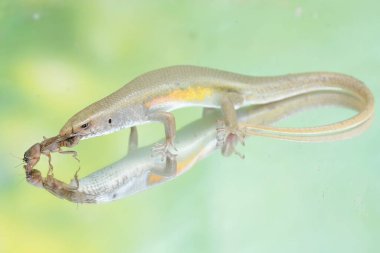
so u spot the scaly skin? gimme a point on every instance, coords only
(133, 174)
(151, 96)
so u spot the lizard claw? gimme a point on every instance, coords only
(163, 150)
(228, 138)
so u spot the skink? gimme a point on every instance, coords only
(133, 173)
(151, 97)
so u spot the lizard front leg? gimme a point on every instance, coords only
(168, 120)
(169, 170)
(166, 149)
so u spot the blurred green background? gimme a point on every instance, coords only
(58, 56)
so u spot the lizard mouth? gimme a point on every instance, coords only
(72, 140)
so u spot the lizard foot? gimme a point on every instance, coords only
(227, 138)
(164, 150)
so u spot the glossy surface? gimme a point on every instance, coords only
(133, 173)
(175, 87)
(57, 57)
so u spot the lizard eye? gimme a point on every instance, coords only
(84, 126)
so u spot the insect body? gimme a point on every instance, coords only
(59, 188)
(47, 146)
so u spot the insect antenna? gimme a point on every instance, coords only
(19, 165)
(17, 157)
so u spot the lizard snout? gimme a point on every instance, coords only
(66, 131)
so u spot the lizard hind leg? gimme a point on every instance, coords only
(228, 130)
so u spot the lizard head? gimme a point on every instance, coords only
(79, 125)
(83, 126)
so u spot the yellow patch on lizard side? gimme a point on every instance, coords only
(154, 179)
(181, 168)
(189, 94)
